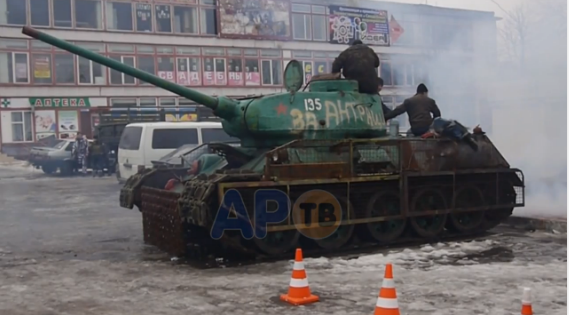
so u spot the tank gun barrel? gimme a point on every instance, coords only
(206, 100)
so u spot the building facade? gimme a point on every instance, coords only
(225, 47)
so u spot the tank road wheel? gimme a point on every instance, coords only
(344, 232)
(276, 243)
(381, 204)
(467, 222)
(427, 200)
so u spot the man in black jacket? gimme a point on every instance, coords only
(359, 62)
(419, 108)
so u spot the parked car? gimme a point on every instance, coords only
(142, 143)
(56, 157)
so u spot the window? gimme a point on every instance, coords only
(166, 68)
(167, 102)
(21, 126)
(88, 14)
(119, 77)
(252, 73)
(208, 19)
(309, 22)
(385, 73)
(409, 75)
(235, 72)
(220, 78)
(42, 68)
(148, 102)
(18, 44)
(90, 72)
(319, 27)
(146, 63)
(419, 73)
(123, 102)
(130, 138)
(301, 26)
(14, 12)
(398, 71)
(64, 72)
(143, 17)
(272, 72)
(320, 67)
(39, 12)
(61, 13)
(173, 138)
(185, 20)
(188, 71)
(119, 16)
(216, 135)
(16, 65)
(163, 18)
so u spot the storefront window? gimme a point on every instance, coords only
(42, 68)
(21, 126)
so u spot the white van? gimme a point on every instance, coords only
(142, 143)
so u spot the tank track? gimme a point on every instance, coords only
(188, 239)
(310, 251)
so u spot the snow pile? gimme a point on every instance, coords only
(424, 257)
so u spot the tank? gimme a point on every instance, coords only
(347, 182)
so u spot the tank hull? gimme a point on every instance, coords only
(389, 190)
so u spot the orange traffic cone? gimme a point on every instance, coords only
(298, 290)
(387, 300)
(526, 302)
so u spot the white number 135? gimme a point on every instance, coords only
(312, 104)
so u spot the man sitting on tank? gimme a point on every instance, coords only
(358, 62)
(419, 109)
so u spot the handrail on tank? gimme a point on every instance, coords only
(206, 100)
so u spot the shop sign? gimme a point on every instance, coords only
(59, 102)
(349, 23)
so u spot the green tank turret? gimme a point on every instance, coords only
(326, 151)
(331, 109)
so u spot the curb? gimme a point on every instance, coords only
(558, 225)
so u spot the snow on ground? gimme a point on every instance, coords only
(67, 248)
(453, 278)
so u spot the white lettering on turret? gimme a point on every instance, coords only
(336, 114)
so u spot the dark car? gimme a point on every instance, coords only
(52, 158)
